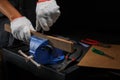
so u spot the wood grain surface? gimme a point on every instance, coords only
(111, 61)
(60, 43)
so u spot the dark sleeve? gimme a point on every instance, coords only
(28, 10)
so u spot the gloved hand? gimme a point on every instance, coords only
(47, 13)
(20, 28)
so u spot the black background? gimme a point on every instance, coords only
(98, 19)
(80, 16)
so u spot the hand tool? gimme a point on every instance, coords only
(101, 53)
(71, 58)
(43, 52)
(94, 42)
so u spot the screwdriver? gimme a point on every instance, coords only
(101, 53)
(98, 51)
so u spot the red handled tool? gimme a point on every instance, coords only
(95, 42)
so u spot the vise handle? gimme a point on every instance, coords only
(29, 58)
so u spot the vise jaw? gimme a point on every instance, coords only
(43, 52)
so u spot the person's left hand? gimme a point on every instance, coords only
(47, 13)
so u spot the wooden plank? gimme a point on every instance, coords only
(54, 41)
(92, 59)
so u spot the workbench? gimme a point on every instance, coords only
(15, 67)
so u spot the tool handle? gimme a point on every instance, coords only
(98, 51)
(29, 58)
(89, 42)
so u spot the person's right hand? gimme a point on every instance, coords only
(21, 27)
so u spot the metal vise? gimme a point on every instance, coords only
(43, 52)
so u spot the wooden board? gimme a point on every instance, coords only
(54, 41)
(92, 59)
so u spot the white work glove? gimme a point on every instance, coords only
(47, 13)
(20, 28)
